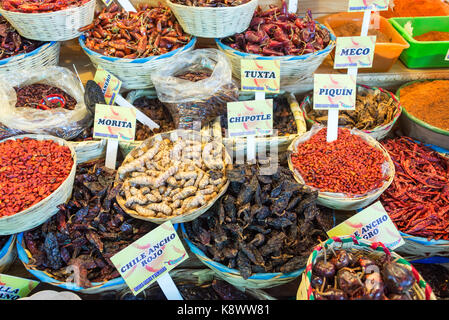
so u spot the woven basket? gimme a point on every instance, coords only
(188, 216)
(374, 251)
(209, 22)
(294, 69)
(256, 281)
(8, 254)
(280, 142)
(52, 26)
(89, 150)
(46, 208)
(339, 202)
(377, 133)
(97, 287)
(46, 55)
(199, 277)
(134, 73)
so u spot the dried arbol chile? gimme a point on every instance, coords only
(30, 170)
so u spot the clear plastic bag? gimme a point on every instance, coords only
(201, 101)
(60, 122)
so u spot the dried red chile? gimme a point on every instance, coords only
(12, 43)
(87, 231)
(31, 96)
(264, 223)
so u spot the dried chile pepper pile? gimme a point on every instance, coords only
(215, 290)
(157, 112)
(195, 76)
(283, 119)
(148, 32)
(347, 165)
(87, 231)
(352, 275)
(12, 43)
(30, 170)
(32, 6)
(211, 3)
(418, 199)
(33, 95)
(263, 224)
(275, 32)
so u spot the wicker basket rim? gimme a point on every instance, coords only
(325, 50)
(24, 256)
(191, 212)
(347, 198)
(236, 272)
(182, 6)
(90, 52)
(43, 137)
(46, 14)
(42, 47)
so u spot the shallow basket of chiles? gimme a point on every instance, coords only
(350, 268)
(36, 175)
(19, 53)
(48, 20)
(288, 120)
(72, 250)
(418, 199)
(174, 176)
(135, 44)
(200, 284)
(261, 232)
(376, 112)
(8, 252)
(350, 173)
(299, 44)
(213, 19)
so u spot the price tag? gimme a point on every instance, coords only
(354, 52)
(250, 118)
(334, 91)
(150, 258)
(13, 288)
(260, 75)
(114, 122)
(373, 224)
(109, 84)
(362, 5)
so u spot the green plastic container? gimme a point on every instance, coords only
(423, 54)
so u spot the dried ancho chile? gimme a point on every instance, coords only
(87, 231)
(347, 274)
(263, 224)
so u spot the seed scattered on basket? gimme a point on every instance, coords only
(172, 178)
(30, 6)
(30, 170)
(263, 224)
(275, 32)
(12, 43)
(347, 165)
(147, 32)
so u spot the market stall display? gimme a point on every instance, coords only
(84, 234)
(376, 112)
(347, 268)
(299, 44)
(8, 252)
(389, 42)
(213, 19)
(423, 53)
(260, 233)
(172, 176)
(37, 175)
(350, 173)
(133, 45)
(48, 20)
(425, 115)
